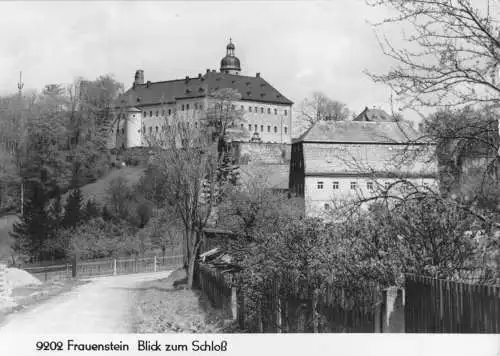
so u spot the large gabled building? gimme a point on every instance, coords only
(334, 162)
(267, 114)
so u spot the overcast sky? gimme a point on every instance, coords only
(297, 46)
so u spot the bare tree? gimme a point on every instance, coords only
(188, 161)
(451, 52)
(320, 107)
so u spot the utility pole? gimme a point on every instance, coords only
(20, 86)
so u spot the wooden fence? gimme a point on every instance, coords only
(105, 267)
(219, 289)
(439, 306)
(292, 310)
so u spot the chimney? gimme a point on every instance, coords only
(139, 77)
(148, 84)
(208, 70)
(258, 75)
(199, 75)
(187, 79)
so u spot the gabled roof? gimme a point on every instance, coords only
(374, 115)
(359, 132)
(250, 88)
(327, 159)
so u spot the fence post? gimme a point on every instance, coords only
(115, 272)
(73, 266)
(3, 280)
(393, 312)
(234, 304)
(154, 268)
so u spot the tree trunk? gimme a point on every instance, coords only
(193, 254)
(191, 272)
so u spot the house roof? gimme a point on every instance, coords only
(334, 159)
(359, 132)
(250, 88)
(374, 115)
(275, 176)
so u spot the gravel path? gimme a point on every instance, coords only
(101, 306)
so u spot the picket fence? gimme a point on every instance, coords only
(107, 267)
(440, 306)
(292, 310)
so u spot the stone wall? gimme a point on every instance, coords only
(264, 153)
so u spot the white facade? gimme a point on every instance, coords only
(272, 122)
(323, 194)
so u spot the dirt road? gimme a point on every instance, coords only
(102, 306)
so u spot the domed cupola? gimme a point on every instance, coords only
(230, 63)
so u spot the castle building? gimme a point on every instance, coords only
(148, 106)
(341, 161)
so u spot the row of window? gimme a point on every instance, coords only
(262, 110)
(285, 130)
(354, 185)
(256, 128)
(200, 107)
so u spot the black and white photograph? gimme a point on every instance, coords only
(248, 167)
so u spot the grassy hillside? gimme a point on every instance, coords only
(97, 190)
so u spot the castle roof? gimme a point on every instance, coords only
(254, 89)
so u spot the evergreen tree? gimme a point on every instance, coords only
(106, 215)
(56, 214)
(228, 171)
(35, 226)
(91, 210)
(73, 212)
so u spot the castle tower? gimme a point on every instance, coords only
(230, 64)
